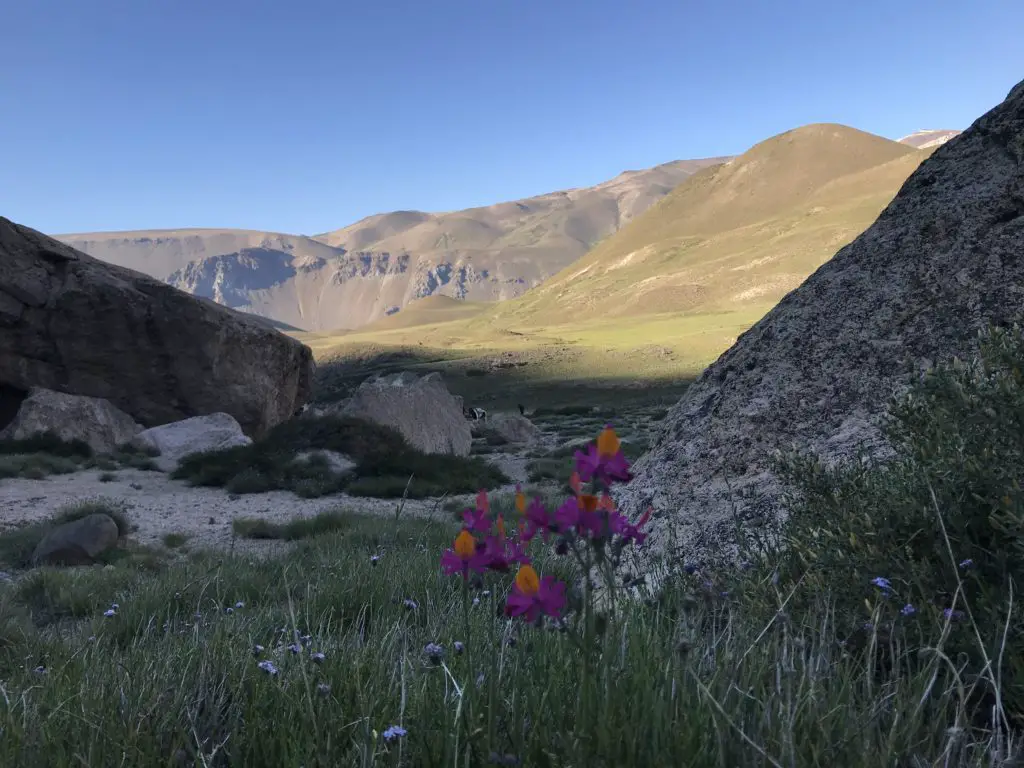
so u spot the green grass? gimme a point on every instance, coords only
(297, 528)
(45, 454)
(175, 540)
(697, 680)
(384, 463)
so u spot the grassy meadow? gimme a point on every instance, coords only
(885, 633)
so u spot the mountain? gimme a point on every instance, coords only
(929, 138)
(942, 261)
(740, 234)
(371, 269)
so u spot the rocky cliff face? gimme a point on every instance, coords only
(73, 324)
(942, 261)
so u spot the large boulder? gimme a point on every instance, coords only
(420, 408)
(79, 542)
(943, 261)
(74, 324)
(512, 427)
(72, 417)
(173, 442)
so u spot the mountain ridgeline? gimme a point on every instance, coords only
(691, 235)
(352, 276)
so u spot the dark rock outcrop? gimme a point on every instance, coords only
(943, 261)
(74, 324)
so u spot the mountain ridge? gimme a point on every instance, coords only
(350, 277)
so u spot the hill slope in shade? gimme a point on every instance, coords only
(353, 276)
(732, 237)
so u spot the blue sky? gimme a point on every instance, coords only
(305, 115)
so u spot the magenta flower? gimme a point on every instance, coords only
(476, 520)
(532, 596)
(500, 552)
(539, 519)
(619, 523)
(464, 557)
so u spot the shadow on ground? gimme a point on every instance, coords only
(495, 379)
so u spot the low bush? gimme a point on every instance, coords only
(384, 463)
(939, 529)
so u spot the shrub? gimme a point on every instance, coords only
(940, 527)
(384, 463)
(35, 466)
(48, 443)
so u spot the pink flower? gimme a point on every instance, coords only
(608, 469)
(604, 460)
(476, 520)
(532, 596)
(539, 519)
(464, 557)
(500, 552)
(619, 523)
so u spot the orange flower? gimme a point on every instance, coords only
(575, 483)
(527, 580)
(465, 545)
(608, 443)
(588, 502)
(500, 524)
(520, 501)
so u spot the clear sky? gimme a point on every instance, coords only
(305, 115)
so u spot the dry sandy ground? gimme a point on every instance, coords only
(159, 505)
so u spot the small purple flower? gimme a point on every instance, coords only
(434, 651)
(109, 612)
(968, 563)
(295, 648)
(323, 689)
(952, 615)
(229, 610)
(411, 604)
(40, 670)
(908, 610)
(881, 582)
(868, 626)
(115, 606)
(239, 605)
(459, 646)
(256, 649)
(318, 657)
(268, 667)
(374, 559)
(394, 732)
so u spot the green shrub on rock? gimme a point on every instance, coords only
(939, 529)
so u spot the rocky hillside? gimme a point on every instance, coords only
(375, 267)
(942, 261)
(734, 237)
(928, 138)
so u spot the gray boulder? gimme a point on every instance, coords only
(513, 427)
(420, 408)
(79, 542)
(215, 432)
(72, 417)
(74, 324)
(943, 261)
